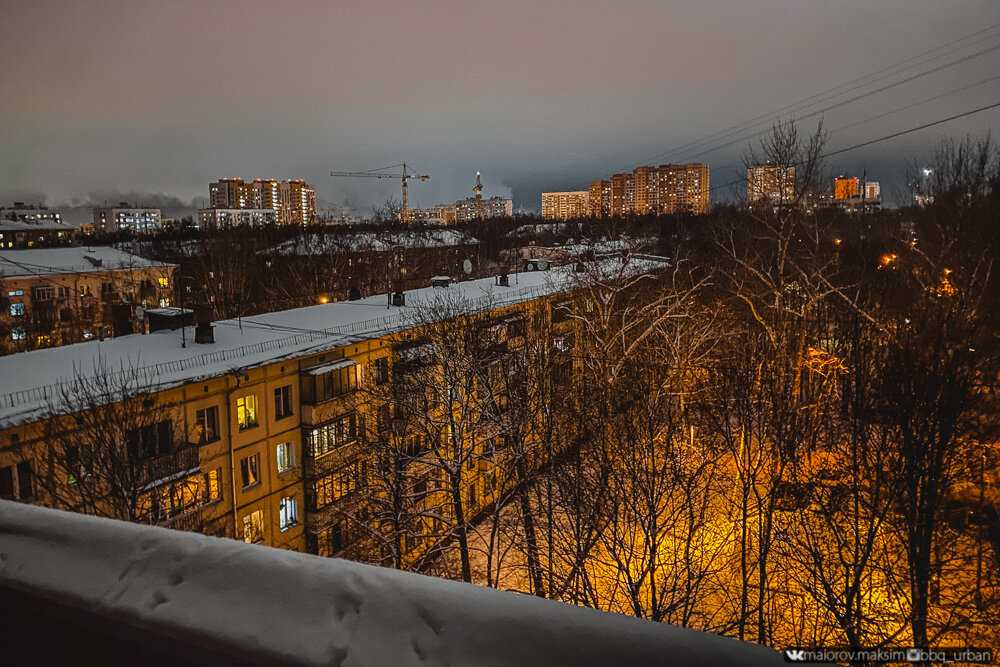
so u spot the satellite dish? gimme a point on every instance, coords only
(467, 266)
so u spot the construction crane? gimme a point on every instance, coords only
(404, 174)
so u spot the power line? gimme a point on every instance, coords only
(855, 83)
(912, 129)
(731, 167)
(916, 104)
(851, 100)
(887, 137)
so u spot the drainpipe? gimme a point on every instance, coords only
(229, 439)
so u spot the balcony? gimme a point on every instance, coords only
(179, 461)
(84, 590)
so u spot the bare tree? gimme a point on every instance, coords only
(113, 450)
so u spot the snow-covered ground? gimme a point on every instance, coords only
(282, 607)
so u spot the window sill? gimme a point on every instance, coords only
(287, 471)
(250, 486)
(287, 528)
(248, 427)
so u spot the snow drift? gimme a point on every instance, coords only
(263, 605)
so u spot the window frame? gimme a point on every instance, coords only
(201, 418)
(246, 470)
(246, 410)
(287, 519)
(289, 457)
(283, 402)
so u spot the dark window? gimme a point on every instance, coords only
(207, 421)
(150, 441)
(560, 311)
(337, 382)
(283, 402)
(7, 482)
(25, 487)
(381, 370)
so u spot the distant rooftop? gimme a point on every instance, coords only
(54, 261)
(34, 226)
(323, 244)
(28, 380)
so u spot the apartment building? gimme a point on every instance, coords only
(622, 194)
(222, 218)
(770, 183)
(566, 205)
(473, 208)
(683, 188)
(846, 187)
(600, 199)
(293, 201)
(127, 218)
(41, 234)
(56, 296)
(259, 431)
(645, 182)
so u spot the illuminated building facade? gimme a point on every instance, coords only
(846, 187)
(771, 183)
(566, 205)
(293, 201)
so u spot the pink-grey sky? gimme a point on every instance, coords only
(101, 97)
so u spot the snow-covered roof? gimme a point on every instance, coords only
(28, 379)
(249, 604)
(44, 225)
(51, 261)
(324, 244)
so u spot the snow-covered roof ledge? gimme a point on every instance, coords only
(95, 589)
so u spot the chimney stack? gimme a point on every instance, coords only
(204, 332)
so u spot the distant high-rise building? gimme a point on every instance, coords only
(645, 181)
(566, 205)
(770, 182)
(872, 190)
(622, 194)
(845, 187)
(683, 188)
(293, 201)
(600, 199)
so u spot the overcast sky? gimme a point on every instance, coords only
(137, 96)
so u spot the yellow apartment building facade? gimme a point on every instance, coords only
(56, 296)
(263, 441)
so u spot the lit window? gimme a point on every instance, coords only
(246, 411)
(287, 513)
(17, 334)
(286, 459)
(341, 431)
(163, 282)
(253, 527)
(250, 470)
(213, 485)
(17, 309)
